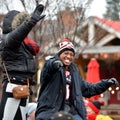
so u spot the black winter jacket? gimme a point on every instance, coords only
(17, 58)
(53, 90)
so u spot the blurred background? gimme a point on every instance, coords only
(94, 28)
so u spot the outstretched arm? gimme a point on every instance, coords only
(20, 33)
(90, 89)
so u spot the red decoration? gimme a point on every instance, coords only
(93, 74)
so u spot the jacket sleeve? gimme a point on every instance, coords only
(89, 89)
(15, 37)
(47, 73)
(48, 69)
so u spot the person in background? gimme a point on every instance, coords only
(93, 110)
(18, 52)
(62, 88)
(31, 110)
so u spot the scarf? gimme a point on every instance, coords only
(31, 46)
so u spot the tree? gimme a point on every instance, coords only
(112, 10)
(62, 17)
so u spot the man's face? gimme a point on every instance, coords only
(67, 57)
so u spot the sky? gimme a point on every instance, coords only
(97, 7)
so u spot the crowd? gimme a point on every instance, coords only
(61, 86)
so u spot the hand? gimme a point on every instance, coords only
(36, 16)
(114, 82)
(57, 64)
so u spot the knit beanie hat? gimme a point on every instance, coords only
(95, 105)
(61, 115)
(64, 45)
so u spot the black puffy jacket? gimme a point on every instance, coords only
(17, 58)
(53, 90)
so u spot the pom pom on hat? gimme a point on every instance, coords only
(64, 45)
(61, 115)
(95, 105)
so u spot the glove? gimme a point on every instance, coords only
(57, 64)
(114, 82)
(36, 16)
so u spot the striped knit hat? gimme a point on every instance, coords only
(64, 45)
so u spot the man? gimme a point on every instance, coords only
(62, 88)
